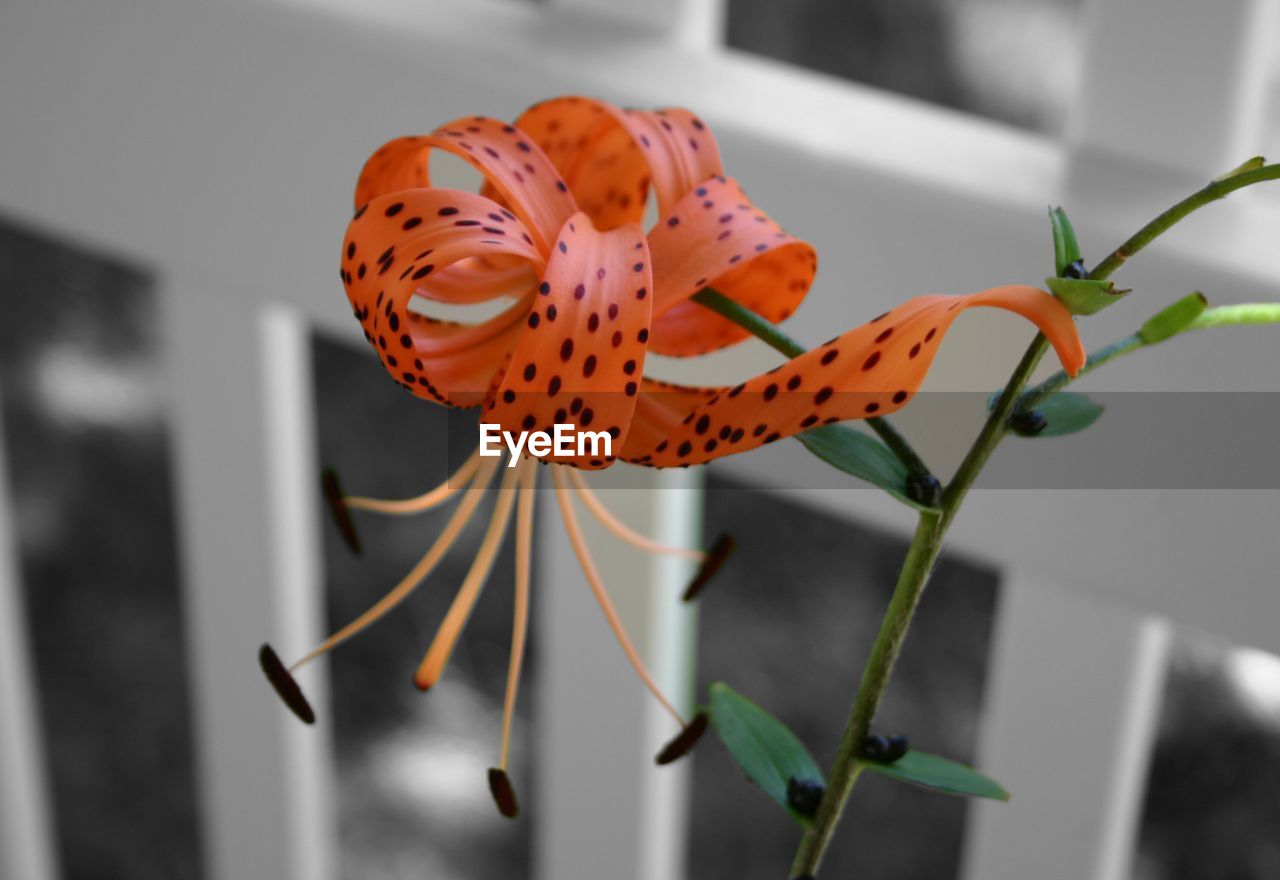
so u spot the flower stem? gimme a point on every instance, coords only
(1216, 189)
(921, 555)
(1219, 316)
(769, 334)
(1060, 379)
(933, 525)
(916, 568)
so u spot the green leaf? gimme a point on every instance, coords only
(862, 456)
(1172, 320)
(940, 774)
(1064, 412)
(765, 748)
(1085, 296)
(1065, 249)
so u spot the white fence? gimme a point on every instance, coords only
(216, 143)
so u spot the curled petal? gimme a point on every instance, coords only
(581, 354)
(521, 175)
(610, 157)
(715, 236)
(395, 247)
(872, 370)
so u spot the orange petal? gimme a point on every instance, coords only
(715, 236)
(395, 247)
(517, 170)
(581, 356)
(609, 156)
(874, 369)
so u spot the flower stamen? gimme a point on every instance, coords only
(571, 527)
(520, 616)
(456, 618)
(712, 562)
(402, 590)
(621, 529)
(422, 503)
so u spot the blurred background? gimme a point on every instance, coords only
(175, 365)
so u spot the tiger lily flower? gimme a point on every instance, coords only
(556, 232)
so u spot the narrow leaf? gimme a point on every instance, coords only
(1172, 320)
(862, 456)
(1084, 296)
(1248, 165)
(1063, 412)
(765, 748)
(940, 774)
(1065, 249)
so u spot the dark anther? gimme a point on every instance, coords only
(281, 679)
(504, 795)
(338, 508)
(884, 749)
(804, 795)
(1028, 422)
(719, 553)
(684, 741)
(1075, 270)
(924, 489)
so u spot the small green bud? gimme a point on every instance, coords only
(1173, 319)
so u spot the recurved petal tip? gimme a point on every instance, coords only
(338, 509)
(504, 795)
(685, 740)
(719, 553)
(285, 685)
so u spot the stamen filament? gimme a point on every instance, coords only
(520, 617)
(621, 529)
(437, 496)
(429, 561)
(571, 527)
(447, 635)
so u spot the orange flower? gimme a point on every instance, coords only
(557, 231)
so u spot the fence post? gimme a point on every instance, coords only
(1072, 704)
(242, 410)
(26, 841)
(603, 808)
(1176, 83)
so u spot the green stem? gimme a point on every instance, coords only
(769, 334)
(1060, 379)
(1219, 316)
(1217, 189)
(1244, 313)
(766, 331)
(933, 525)
(916, 568)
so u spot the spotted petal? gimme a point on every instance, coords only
(609, 157)
(396, 245)
(715, 236)
(581, 355)
(874, 369)
(521, 174)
